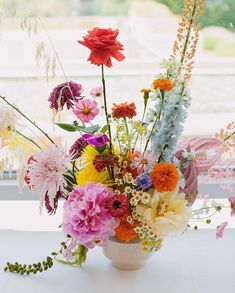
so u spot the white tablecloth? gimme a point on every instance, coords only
(191, 263)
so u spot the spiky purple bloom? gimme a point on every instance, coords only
(77, 148)
(143, 182)
(66, 93)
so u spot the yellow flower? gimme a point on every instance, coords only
(91, 175)
(167, 213)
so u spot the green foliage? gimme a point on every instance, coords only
(74, 127)
(220, 46)
(218, 12)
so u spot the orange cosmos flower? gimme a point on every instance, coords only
(124, 110)
(163, 84)
(125, 231)
(165, 177)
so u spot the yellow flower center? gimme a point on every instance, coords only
(86, 110)
(144, 162)
(233, 206)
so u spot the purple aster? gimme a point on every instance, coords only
(66, 93)
(143, 182)
(96, 139)
(77, 148)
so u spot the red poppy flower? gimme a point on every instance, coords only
(103, 45)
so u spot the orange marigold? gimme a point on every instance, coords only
(163, 84)
(125, 231)
(124, 110)
(165, 177)
(145, 91)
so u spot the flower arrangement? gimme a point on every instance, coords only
(130, 178)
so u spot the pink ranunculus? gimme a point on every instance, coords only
(86, 110)
(96, 92)
(232, 202)
(86, 216)
(220, 230)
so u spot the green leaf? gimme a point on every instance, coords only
(104, 128)
(67, 126)
(90, 129)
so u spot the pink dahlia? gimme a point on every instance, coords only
(66, 93)
(86, 110)
(144, 162)
(220, 230)
(96, 92)
(86, 217)
(46, 172)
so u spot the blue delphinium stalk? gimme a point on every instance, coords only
(168, 130)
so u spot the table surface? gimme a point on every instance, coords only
(190, 263)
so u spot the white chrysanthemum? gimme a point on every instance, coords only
(167, 213)
(46, 171)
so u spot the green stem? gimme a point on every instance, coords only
(106, 108)
(187, 37)
(128, 134)
(23, 115)
(145, 108)
(157, 119)
(229, 136)
(27, 138)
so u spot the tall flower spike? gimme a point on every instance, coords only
(188, 33)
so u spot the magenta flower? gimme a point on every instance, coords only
(86, 110)
(86, 217)
(220, 230)
(144, 162)
(77, 148)
(46, 172)
(232, 202)
(67, 93)
(96, 92)
(96, 139)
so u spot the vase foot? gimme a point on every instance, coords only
(128, 267)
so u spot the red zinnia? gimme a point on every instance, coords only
(103, 45)
(104, 161)
(118, 206)
(124, 110)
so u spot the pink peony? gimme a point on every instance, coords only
(220, 230)
(144, 162)
(86, 217)
(96, 92)
(86, 110)
(232, 202)
(46, 171)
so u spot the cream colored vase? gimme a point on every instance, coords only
(126, 256)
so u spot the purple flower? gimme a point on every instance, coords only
(96, 139)
(67, 93)
(143, 182)
(86, 217)
(77, 148)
